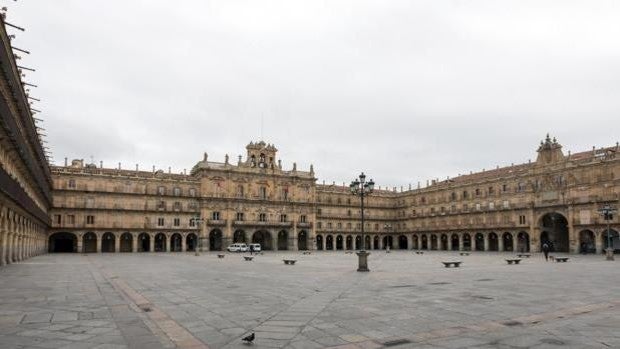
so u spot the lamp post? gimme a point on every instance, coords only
(197, 221)
(608, 215)
(388, 229)
(362, 188)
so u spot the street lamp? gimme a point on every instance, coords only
(608, 215)
(362, 188)
(388, 229)
(197, 221)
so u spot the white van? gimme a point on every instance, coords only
(239, 247)
(254, 247)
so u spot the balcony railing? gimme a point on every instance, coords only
(216, 222)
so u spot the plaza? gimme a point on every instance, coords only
(178, 300)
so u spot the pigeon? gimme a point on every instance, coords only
(248, 339)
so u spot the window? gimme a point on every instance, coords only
(177, 206)
(376, 226)
(339, 201)
(284, 194)
(349, 213)
(504, 188)
(465, 194)
(477, 192)
(282, 218)
(262, 217)
(192, 222)
(240, 216)
(57, 218)
(423, 200)
(161, 205)
(348, 225)
(319, 225)
(192, 192)
(413, 212)
(453, 208)
(177, 222)
(491, 205)
(329, 225)
(70, 219)
(349, 201)
(302, 218)
(432, 210)
(491, 191)
(72, 183)
(442, 209)
(176, 191)
(478, 207)
(339, 225)
(160, 222)
(453, 196)
(465, 207)
(192, 205)
(318, 211)
(215, 215)
(262, 193)
(522, 220)
(506, 204)
(239, 191)
(161, 190)
(90, 219)
(520, 186)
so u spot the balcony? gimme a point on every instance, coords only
(262, 224)
(305, 225)
(216, 222)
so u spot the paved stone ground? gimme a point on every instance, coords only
(406, 301)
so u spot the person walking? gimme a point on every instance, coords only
(545, 249)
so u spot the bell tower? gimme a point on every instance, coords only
(549, 151)
(261, 155)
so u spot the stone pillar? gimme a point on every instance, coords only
(117, 244)
(183, 244)
(380, 241)
(500, 243)
(151, 243)
(461, 248)
(292, 238)
(134, 242)
(167, 243)
(13, 247)
(80, 241)
(99, 242)
(324, 242)
(515, 242)
(598, 241)
(3, 238)
(486, 242)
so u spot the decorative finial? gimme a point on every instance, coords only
(294, 166)
(311, 169)
(204, 157)
(226, 159)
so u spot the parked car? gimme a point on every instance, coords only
(254, 248)
(238, 248)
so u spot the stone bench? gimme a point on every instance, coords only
(464, 253)
(289, 261)
(455, 264)
(220, 256)
(515, 261)
(561, 259)
(524, 255)
(248, 258)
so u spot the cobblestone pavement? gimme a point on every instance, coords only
(407, 301)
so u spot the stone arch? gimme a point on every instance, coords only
(368, 242)
(508, 242)
(329, 242)
(443, 242)
(375, 241)
(239, 236)
(89, 242)
(493, 242)
(176, 243)
(263, 237)
(348, 242)
(191, 242)
(424, 243)
(403, 243)
(479, 242)
(434, 242)
(587, 241)
(283, 240)
(302, 240)
(454, 242)
(160, 242)
(108, 242)
(215, 240)
(554, 231)
(523, 242)
(388, 242)
(339, 242)
(61, 242)
(319, 242)
(358, 242)
(144, 242)
(415, 242)
(126, 242)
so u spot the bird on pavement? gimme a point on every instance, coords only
(248, 339)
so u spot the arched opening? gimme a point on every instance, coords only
(416, 243)
(319, 242)
(375, 241)
(523, 242)
(424, 242)
(467, 242)
(454, 242)
(126, 242)
(62, 243)
(89, 243)
(160, 242)
(144, 242)
(367, 238)
(493, 242)
(444, 242)
(107, 242)
(554, 232)
(433, 242)
(262, 237)
(239, 236)
(403, 244)
(283, 240)
(191, 241)
(176, 243)
(339, 242)
(329, 242)
(349, 242)
(215, 240)
(587, 242)
(302, 240)
(610, 238)
(358, 242)
(508, 242)
(479, 241)
(387, 242)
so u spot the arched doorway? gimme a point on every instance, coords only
(62, 243)
(329, 243)
(375, 241)
(615, 240)
(239, 236)
(302, 240)
(144, 242)
(358, 242)
(349, 242)
(107, 242)
(191, 242)
(339, 242)
(433, 242)
(554, 232)
(454, 239)
(403, 244)
(160, 242)
(415, 242)
(479, 241)
(467, 242)
(424, 242)
(176, 243)
(587, 242)
(508, 242)
(126, 242)
(89, 242)
(263, 237)
(493, 242)
(215, 240)
(319, 242)
(283, 240)
(444, 242)
(387, 242)
(523, 242)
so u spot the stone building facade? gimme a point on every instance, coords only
(25, 177)
(554, 199)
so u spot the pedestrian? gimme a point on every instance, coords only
(251, 249)
(545, 249)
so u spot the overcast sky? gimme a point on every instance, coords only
(403, 90)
